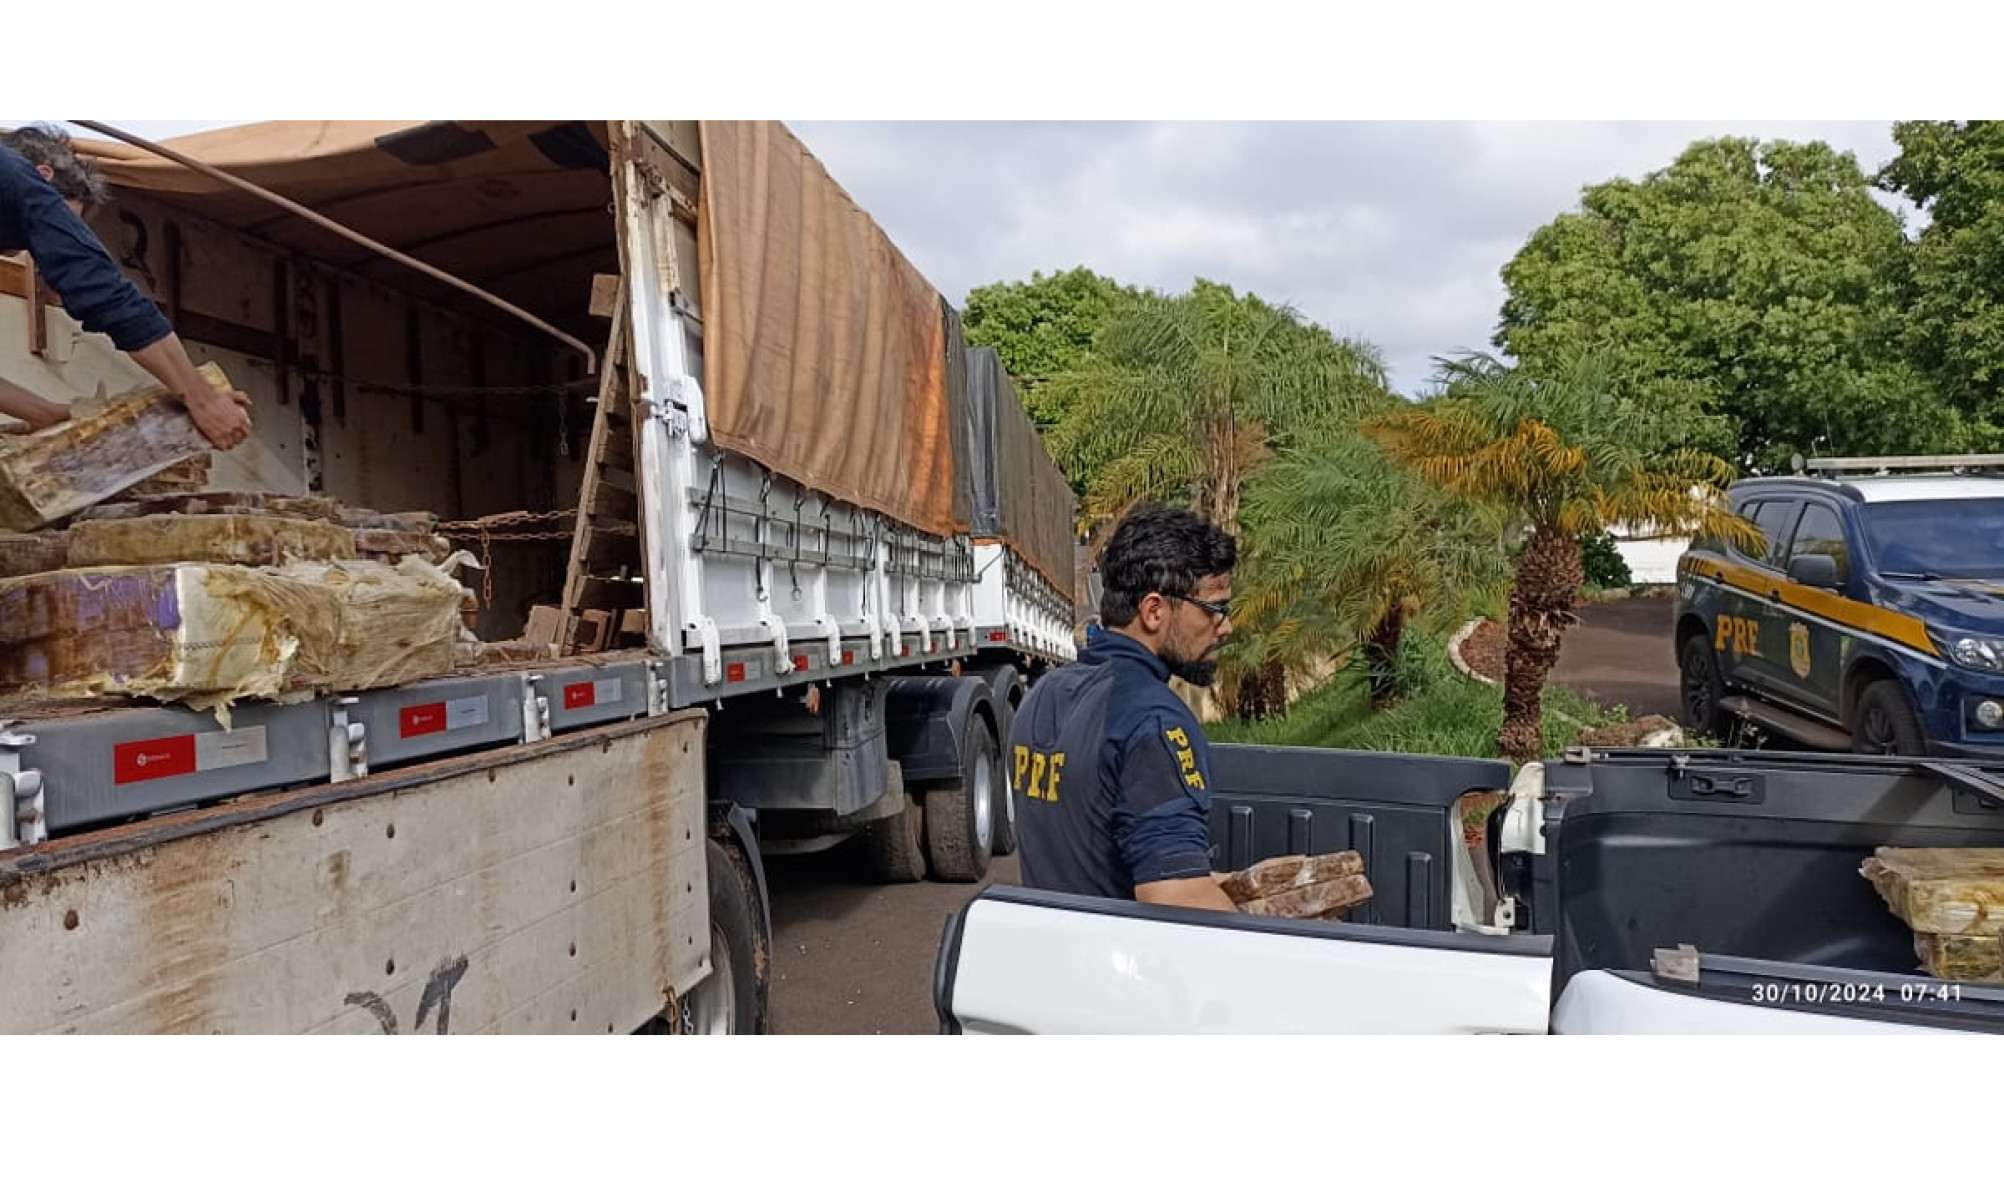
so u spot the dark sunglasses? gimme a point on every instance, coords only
(1220, 611)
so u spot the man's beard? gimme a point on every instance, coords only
(1200, 672)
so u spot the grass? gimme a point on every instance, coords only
(1441, 712)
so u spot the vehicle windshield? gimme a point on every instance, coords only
(1957, 539)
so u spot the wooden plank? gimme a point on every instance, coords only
(612, 556)
(347, 916)
(593, 631)
(604, 295)
(38, 312)
(599, 592)
(591, 502)
(611, 505)
(545, 625)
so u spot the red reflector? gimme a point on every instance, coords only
(415, 720)
(151, 759)
(848, 657)
(998, 636)
(734, 673)
(800, 663)
(580, 696)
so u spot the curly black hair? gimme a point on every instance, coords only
(1157, 549)
(47, 146)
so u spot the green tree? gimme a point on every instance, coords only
(1566, 453)
(1955, 169)
(1759, 280)
(1184, 396)
(1042, 327)
(1344, 549)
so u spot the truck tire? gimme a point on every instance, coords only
(732, 1000)
(1885, 723)
(960, 822)
(1005, 813)
(895, 846)
(1701, 688)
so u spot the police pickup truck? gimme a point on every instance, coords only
(1872, 618)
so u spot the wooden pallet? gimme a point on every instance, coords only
(600, 589)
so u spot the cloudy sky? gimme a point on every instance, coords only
(1392, 232)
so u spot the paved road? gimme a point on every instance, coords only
(1620, 654)
(851, 958)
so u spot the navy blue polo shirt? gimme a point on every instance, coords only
(34, 218)
(1112, 775)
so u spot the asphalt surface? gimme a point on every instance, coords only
(1620, 654)
(855, 958)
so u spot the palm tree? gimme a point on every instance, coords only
(1350, 548)
(1184, 396)
(1565, 455)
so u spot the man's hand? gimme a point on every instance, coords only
(222, 417)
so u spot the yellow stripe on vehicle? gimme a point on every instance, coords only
(1904, 629)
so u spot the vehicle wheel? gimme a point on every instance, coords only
(1005, 814)
(895, 846)
(732, 999)
(960, 822)
(1701, 688)
(1885, 723)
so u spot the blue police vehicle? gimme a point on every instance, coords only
(1871, 620)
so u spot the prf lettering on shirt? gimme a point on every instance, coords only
(1037, 765)
(1186, 757)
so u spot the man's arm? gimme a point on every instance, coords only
(1196, 892)
(1162, 825)
(18, 402)
(223, 418)
(99, 296)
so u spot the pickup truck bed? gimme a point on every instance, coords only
(1751, 859)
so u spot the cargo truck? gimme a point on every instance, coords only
(746, 429)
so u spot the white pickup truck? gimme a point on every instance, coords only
(1705, 892)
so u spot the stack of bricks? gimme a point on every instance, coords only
(1297, 886)
(119, 576)
(1953, 900)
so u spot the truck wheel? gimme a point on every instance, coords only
(895, 846)
(1005, 814)
(732, 999)
(1700, 687)
(960, 822)
(1885, 723)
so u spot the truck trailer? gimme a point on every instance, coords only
(738, 463)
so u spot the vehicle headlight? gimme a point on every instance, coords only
(1973, 651)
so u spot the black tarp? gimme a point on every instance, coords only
(1017, 492)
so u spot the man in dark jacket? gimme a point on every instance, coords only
(45, 189)
(1111, 770)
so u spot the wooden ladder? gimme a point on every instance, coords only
(605, 605)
